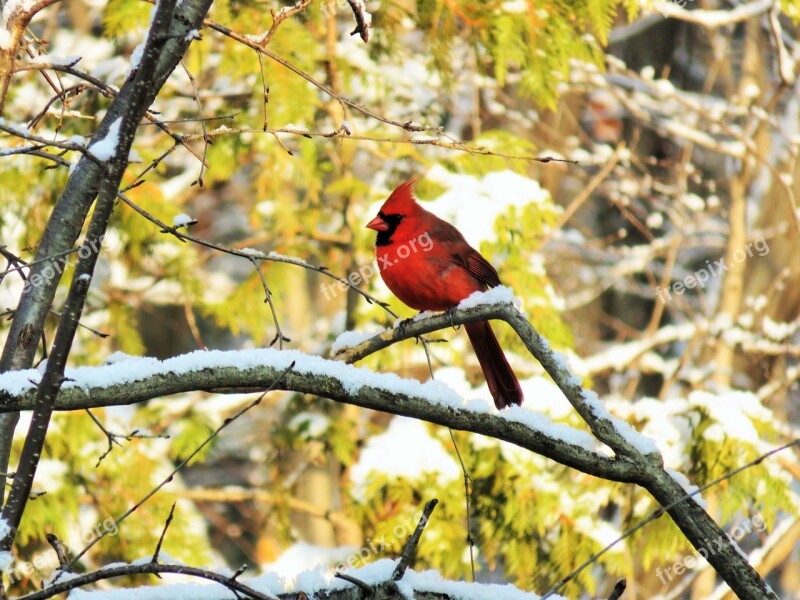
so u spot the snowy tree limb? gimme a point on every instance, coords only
(77, 581)
(418, 585)
(637, 459)
(384, 579)
(235, 378)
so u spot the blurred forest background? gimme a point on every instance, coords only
(680, 128)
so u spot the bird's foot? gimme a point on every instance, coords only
(450, 313)
(403, 325)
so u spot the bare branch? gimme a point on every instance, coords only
(411, 546)
(408, 126)
(357, 582)
(157, 551)
(16, 21)
(279, 337)
(249, 255)
(343, 134)
(363, 19)
(280, 16)
(58, 548)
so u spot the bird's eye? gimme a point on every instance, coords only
(393, 219)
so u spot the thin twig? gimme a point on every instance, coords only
(280, 16)
(279, 337)
(45, 143)
(467, 477)
(157, 551)
(355, 581)
(185, 237)
(110, 92)
(467, 493)
(206, 139)
(411, 546)
(113, 438)
(58, 547)
(344, 133)
(255, 45)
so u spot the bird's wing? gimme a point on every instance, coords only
(462, 253)
(482, 269)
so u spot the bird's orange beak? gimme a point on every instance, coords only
(378, 224)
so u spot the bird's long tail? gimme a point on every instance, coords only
(502, 382)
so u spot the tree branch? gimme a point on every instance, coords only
(413, 541)
(363, 19)
(255, 369)
(379, 581)
(77, 581)
(15, 22)
(637, 459)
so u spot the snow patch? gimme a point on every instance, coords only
(105, 148)
(496, 295)
(182, 220)
(349, 339)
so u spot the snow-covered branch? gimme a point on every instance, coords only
(637, 458)
(384, 578)
(131, 380)
(377, 578)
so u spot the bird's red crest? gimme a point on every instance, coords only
(401, 200)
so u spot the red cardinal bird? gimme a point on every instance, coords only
(428, 264)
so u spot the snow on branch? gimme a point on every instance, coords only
(129, 380)
(375, 577)
(386, 578)
(635, 458)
